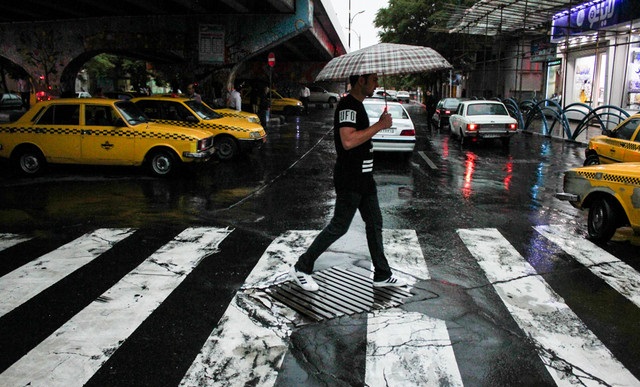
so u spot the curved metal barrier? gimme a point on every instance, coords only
(549, 113)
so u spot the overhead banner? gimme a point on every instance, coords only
(211, 44)
(593, 16)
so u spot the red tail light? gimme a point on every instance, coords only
(447, 112)
(473, 127)
(408, 132)
(513, 126)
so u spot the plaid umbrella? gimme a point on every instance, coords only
(385, 59)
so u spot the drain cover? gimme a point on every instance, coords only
(342, 292)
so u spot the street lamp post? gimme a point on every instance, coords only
(351, 20)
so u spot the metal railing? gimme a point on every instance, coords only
(548, 113)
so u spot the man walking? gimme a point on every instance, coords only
(354, 184)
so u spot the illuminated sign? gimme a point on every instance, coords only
(592, 16)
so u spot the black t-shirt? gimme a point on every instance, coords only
(354, 167)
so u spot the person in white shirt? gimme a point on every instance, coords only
(235, 99)
(304, 97)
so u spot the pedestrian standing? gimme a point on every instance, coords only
(265, 106)
(191, 93)
(25, 92)
(430, 106)
(354, 185)
(235, 99)
(305, 93)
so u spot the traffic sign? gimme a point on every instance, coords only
(272, 59)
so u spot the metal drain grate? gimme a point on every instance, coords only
(342, 292)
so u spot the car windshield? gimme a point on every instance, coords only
(131, 113)
(203, 111)
(396, 111)
(486, 109)
(451, 103)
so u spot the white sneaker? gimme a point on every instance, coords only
(391, 281)
(304, 280)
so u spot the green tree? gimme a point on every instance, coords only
(427, 23)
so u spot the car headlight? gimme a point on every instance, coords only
(255, 135)
(254, 120)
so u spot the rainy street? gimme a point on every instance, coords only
(502, 289)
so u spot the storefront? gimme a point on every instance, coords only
(598, 47)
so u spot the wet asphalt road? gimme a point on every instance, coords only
(287, 185)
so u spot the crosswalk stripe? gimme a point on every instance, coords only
(619, 275)
(73, 353)
(569, 350)
(406, 348)
(8, 240)
(255, 331)
(27, 281)
(409, 349)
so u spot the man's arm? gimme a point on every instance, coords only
(351, 138)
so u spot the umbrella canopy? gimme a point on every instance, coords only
(386, 59)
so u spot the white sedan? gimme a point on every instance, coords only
(401, 137)
(479, 119)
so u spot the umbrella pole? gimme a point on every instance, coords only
(384, 91)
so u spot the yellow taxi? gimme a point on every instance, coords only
(610, 192)
(286, 106)
(99, 131)
(232, 135)
(619, 145)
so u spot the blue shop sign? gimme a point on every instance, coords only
(593, 16)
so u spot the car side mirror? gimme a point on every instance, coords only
(119, 122)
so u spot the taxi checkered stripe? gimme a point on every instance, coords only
(98, 132)
(634, 146)
(201, 126)
(22, 130)
(622, 179)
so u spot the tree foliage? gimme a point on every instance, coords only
(427, 23)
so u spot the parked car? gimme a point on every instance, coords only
(99, 131)
(10, 101)
(609, 192)
(621, 144)
(401, 137)
(403, 96)
(83, 94)
(478, 119)
(232, 135)
(321, 95)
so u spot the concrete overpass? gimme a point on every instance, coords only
(215, 39)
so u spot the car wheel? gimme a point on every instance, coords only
(226, 148)
(461, 137)
(591, 160)
(603, 220)
(162, 163)
(332, 100)
(30, 161)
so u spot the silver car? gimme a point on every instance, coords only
(401, 137)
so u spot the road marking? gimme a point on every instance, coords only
(250, 341)
(408, 348)
(427, 160)
(27, 281)
(619, 275)
(9, 240)
(570, 351)
(73, 353)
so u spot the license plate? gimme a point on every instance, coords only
(491, 136)
(387, 131)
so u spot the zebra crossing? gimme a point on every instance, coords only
(250, 342)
